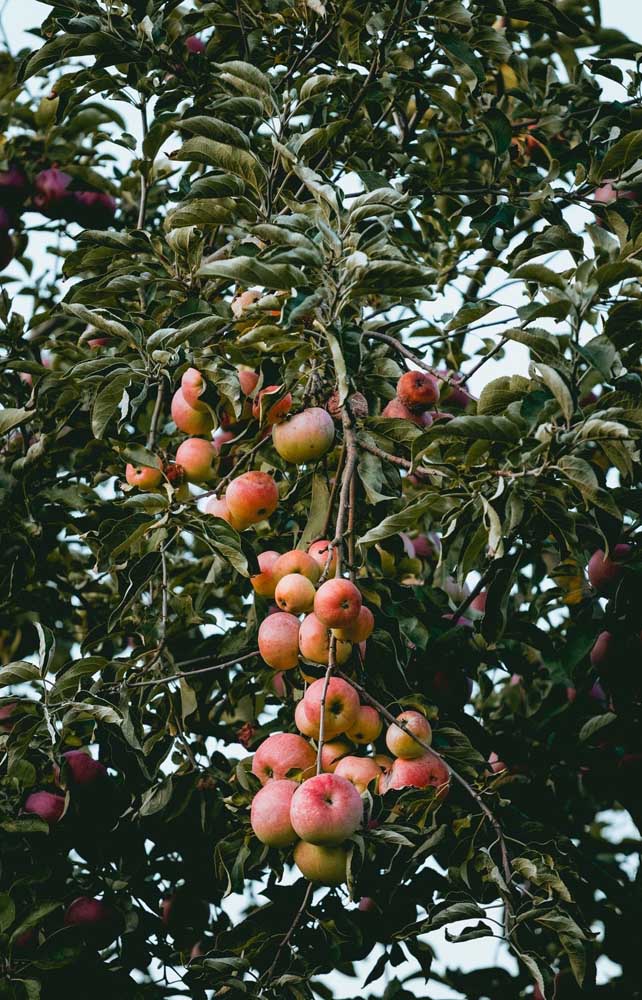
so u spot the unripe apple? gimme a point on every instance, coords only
(326, 810)
(297, 561)
(270, 813)
(422, 772)
(219, 508)
(282, 754)
(294, 593)
(337, 603)
(400, 743)
(271, 414)
(264, 582)
(314, 643)
(605, 572)
(252, 497)
(362, 772)
(98, 921)
(144, 477)
(360, 629)
(332, 752)
(278, 641)
(82, 769)
(319, 551)
(189, 420)
(199, 460)
(325, 865)
(417, 390)
(305, 437)
(367, 726)
(396, 410)
(46, 805)
(341, 705)
(193, 385)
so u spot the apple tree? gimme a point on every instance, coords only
(320, 489)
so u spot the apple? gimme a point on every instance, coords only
(332, 752)
(325, 865)
(427, 547)
(457, 395)
(264, 582)
(99, 922)
(603, 650)
(189, 420)
(46, 805)
(360, 629)
(92, 209)
(383, 760)
(199, 460)
(422, 772)
(367, 726)
(14, 186)
(252, 497)
(51, 193)
(297, 561)
(219, 508)
(193, 385)
(341, 705)
(281, 755)
(279, 641)
(241, 303)
(479, 603)
(495, 764)
(82, 769)
(304, 724)
(326, 810)
(605, 572)
(337, 603)
(305, 437)
(400, 742)
(294, 593)
(248, 380)
(362, 772)
(417, 390)
(270, 813)
(366, 904)
(144, 477)
(195, 46)
(271, 414)
(357, 405)
(319, 552)
(396, 410)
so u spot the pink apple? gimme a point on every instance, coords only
(400, 742)
(362, 772)
(264, 582)
(282, 754)
(143, 476)
(314, 642)
(341, 705)
(198, 459)
(46, 805)
(189, 420)
(278, 641)
(337, 603)
(326, 810)
(332, 752)
(305, 437)
(270, 813)
(422, 772)
(367, 726)
(605, 572)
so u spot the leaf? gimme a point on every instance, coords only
(317, 511)
(99, 321)
(595, 724)
(499, 128)
(7, 911)
(249, 271)
(314, 85)
(107, 402)
(11, 417)
(581, 474)
(391, 525)
(460, 54)
(16, 673)
(449, 915)
(156, 798)
(34, 918)
(624, 154)
(480, 930)
(219, 154)
(558, 387)
(541, 275)
(214, 128)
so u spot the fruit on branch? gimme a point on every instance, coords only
(189, 420)
(305, 437)
(264, 582)
(337, 603)
(198, 459)
(252, 497)
(303, 722)
(341, 705)
(270, 813)
(281, 755)
(92, 209)
(193, 385)
(294, 593)
(605, 572)
(14, 188)
(454, 393)
(195, 46)
(218, 508)
(46, 805)
(271, 413)
(603, 650)
(496, 765)
(314, 643)
(51, 192)
(278, 641)
(7, 712)
(367, 726)
(366, 905)
(479, 603)
(82, 769)
(362, 772)
(417, 390)
(297, 561)
(360, 629)
(395, 409)
(332, 752)
(320, 551)
(248, 380)
(326, 810)
(422, 772)
(221, 437)
(606, 194)
(98, 921)
(143, 476)
(400, 742)
(325, 865)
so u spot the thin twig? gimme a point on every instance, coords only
(406, 352)
(192, 673)
(333, 491)
(142, 207)
(158, 406)
(288, 937)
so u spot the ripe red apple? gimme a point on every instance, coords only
(427, 547)
(367, 726)
(479, 603)
(325, 865)
(92, 209)
(219, 508)
(279, 641)
(297, 561)
(337, 603)
(144, 477)
(195, 45)
(46, 805)
(367, 905)
(270, 813)
(395, 409)
(252, 497)
(271, 414)
(305, 437)
(326, 810)
(417, 390)
(332, 752)
(495, 764)
(282, 754)
(198, 459)
(362, 772)
(294, 593)
(82, 769)
(248, 380)
(605, 572)
(193, 385)
(422, 772)
(304, 724)
(51, 192)
(400, 743)
(319, 552)
(602, 650)
(264, 582)
(360, 629)
(341, 705)
(14, 187)
(189, 420)
(98, 921)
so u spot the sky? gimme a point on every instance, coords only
(20, 15)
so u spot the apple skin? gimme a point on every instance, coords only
(96, 919)
(360, 629)
(82, 769)
(270, 813)
(199, 460)
(366, 904)
(189, 420)
(332, 752)
(297, 561)
(294, 593)
(248, 380)
(324, 865)
(51, 193)
(143, 476)
(193, 385)
(195, 45)
(496, 765)
(479, 603)
(337, 603)
(427, 547)
(341, 705)
(395, 410)
(264, 582)
(252, 497)
(417, 390)
(603, 650)
(304, 724)
(422, 772)
(282, 753)
(605, 572)
(314, 642)
(319, 552)
(279, 641)
(218, 508)
(46, 805)
(305, 437)
(367, 726)
(401, 744)
(362, 772)
(274, 413)
(326, 810)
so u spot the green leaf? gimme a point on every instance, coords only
(595, 724)
(583, 477)
(624, 154)
(227, 158)
(249, 271)
(558, 387)
(214, 128)
(541, 275)
(407, 518)
(16, 673)
(449, 915)
(7, 911)
(499, 128)
(109, 399)
(11, 417)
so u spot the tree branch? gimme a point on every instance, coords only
(192, 673)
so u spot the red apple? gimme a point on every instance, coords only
(417, 390)
(320, 552)
(279, 641)
(271, 414)
(189, 420)
(270, 813)
(605, 572)
(264, 582)
(252, 497)
(337, 603)
(144, 477)
(314, 642)
(46, 805)
(367, 726)
(341, 705)
(422, 772)
(82, 769)
(281, 755)
(360, 629)
(98, 921)
(395, 409)
(326, 810)
(297, 561)
(219, 508)
(294, 593)
(332, 752)
(198, 459)
(193, 385)
(362, 772)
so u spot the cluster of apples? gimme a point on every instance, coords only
(314, 800)
(417, 392)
